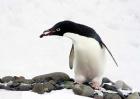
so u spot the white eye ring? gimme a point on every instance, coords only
(58, 29)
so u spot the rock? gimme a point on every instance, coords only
(19, 79)
(28, 81)
(106, 80)
(134, 95)
(11, 85)
(1, 81)
(58, 77)
(68, 84)
(113, 88)
(98, 97)
(111, 96)
(38, 88)
(57, 86)
(41, 88)
(7, 79)
(122, 85)
(24, 87)
(110, 87)
(83, 90)
(2, 86)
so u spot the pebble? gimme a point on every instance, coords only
(134, 95)
(122, 85)
(83, 90)
(58, 77)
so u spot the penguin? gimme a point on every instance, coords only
(87, 55)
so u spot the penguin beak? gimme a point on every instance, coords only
(47, 33)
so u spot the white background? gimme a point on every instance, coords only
(23, 53)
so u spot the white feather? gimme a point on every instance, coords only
(89, 57)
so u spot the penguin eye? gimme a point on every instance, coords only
(58, 29)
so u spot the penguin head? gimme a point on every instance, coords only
(60, 29)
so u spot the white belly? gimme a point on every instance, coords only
(89, 57)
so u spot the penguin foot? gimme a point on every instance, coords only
(96, 83)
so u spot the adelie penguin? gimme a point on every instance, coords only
(87, 54)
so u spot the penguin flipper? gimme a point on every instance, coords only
(71, 57)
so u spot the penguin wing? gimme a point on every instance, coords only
(110, 54)
(71, 57)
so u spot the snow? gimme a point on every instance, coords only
(22, 52)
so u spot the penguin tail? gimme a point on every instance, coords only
(110, 53)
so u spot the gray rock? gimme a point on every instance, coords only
(28, 81)
(43, 87)
(98, 97)
(1, 81)
(83, 90)
(11, 85)
(107, 80)
(19, 79)
(24, 87)
(111, 96)
(122, 85)
(38, 88)
(7, 79)
(68, 84)
(58, 77)
(110, 87)
(134, 95)
(2, 86)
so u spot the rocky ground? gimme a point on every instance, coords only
(58, 80)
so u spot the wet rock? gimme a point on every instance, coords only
(111, 96)
(122, 85)
(68, 84)
(83, 90)
(43, 87)
(134, 95)
(58, 77)
(7, 79)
